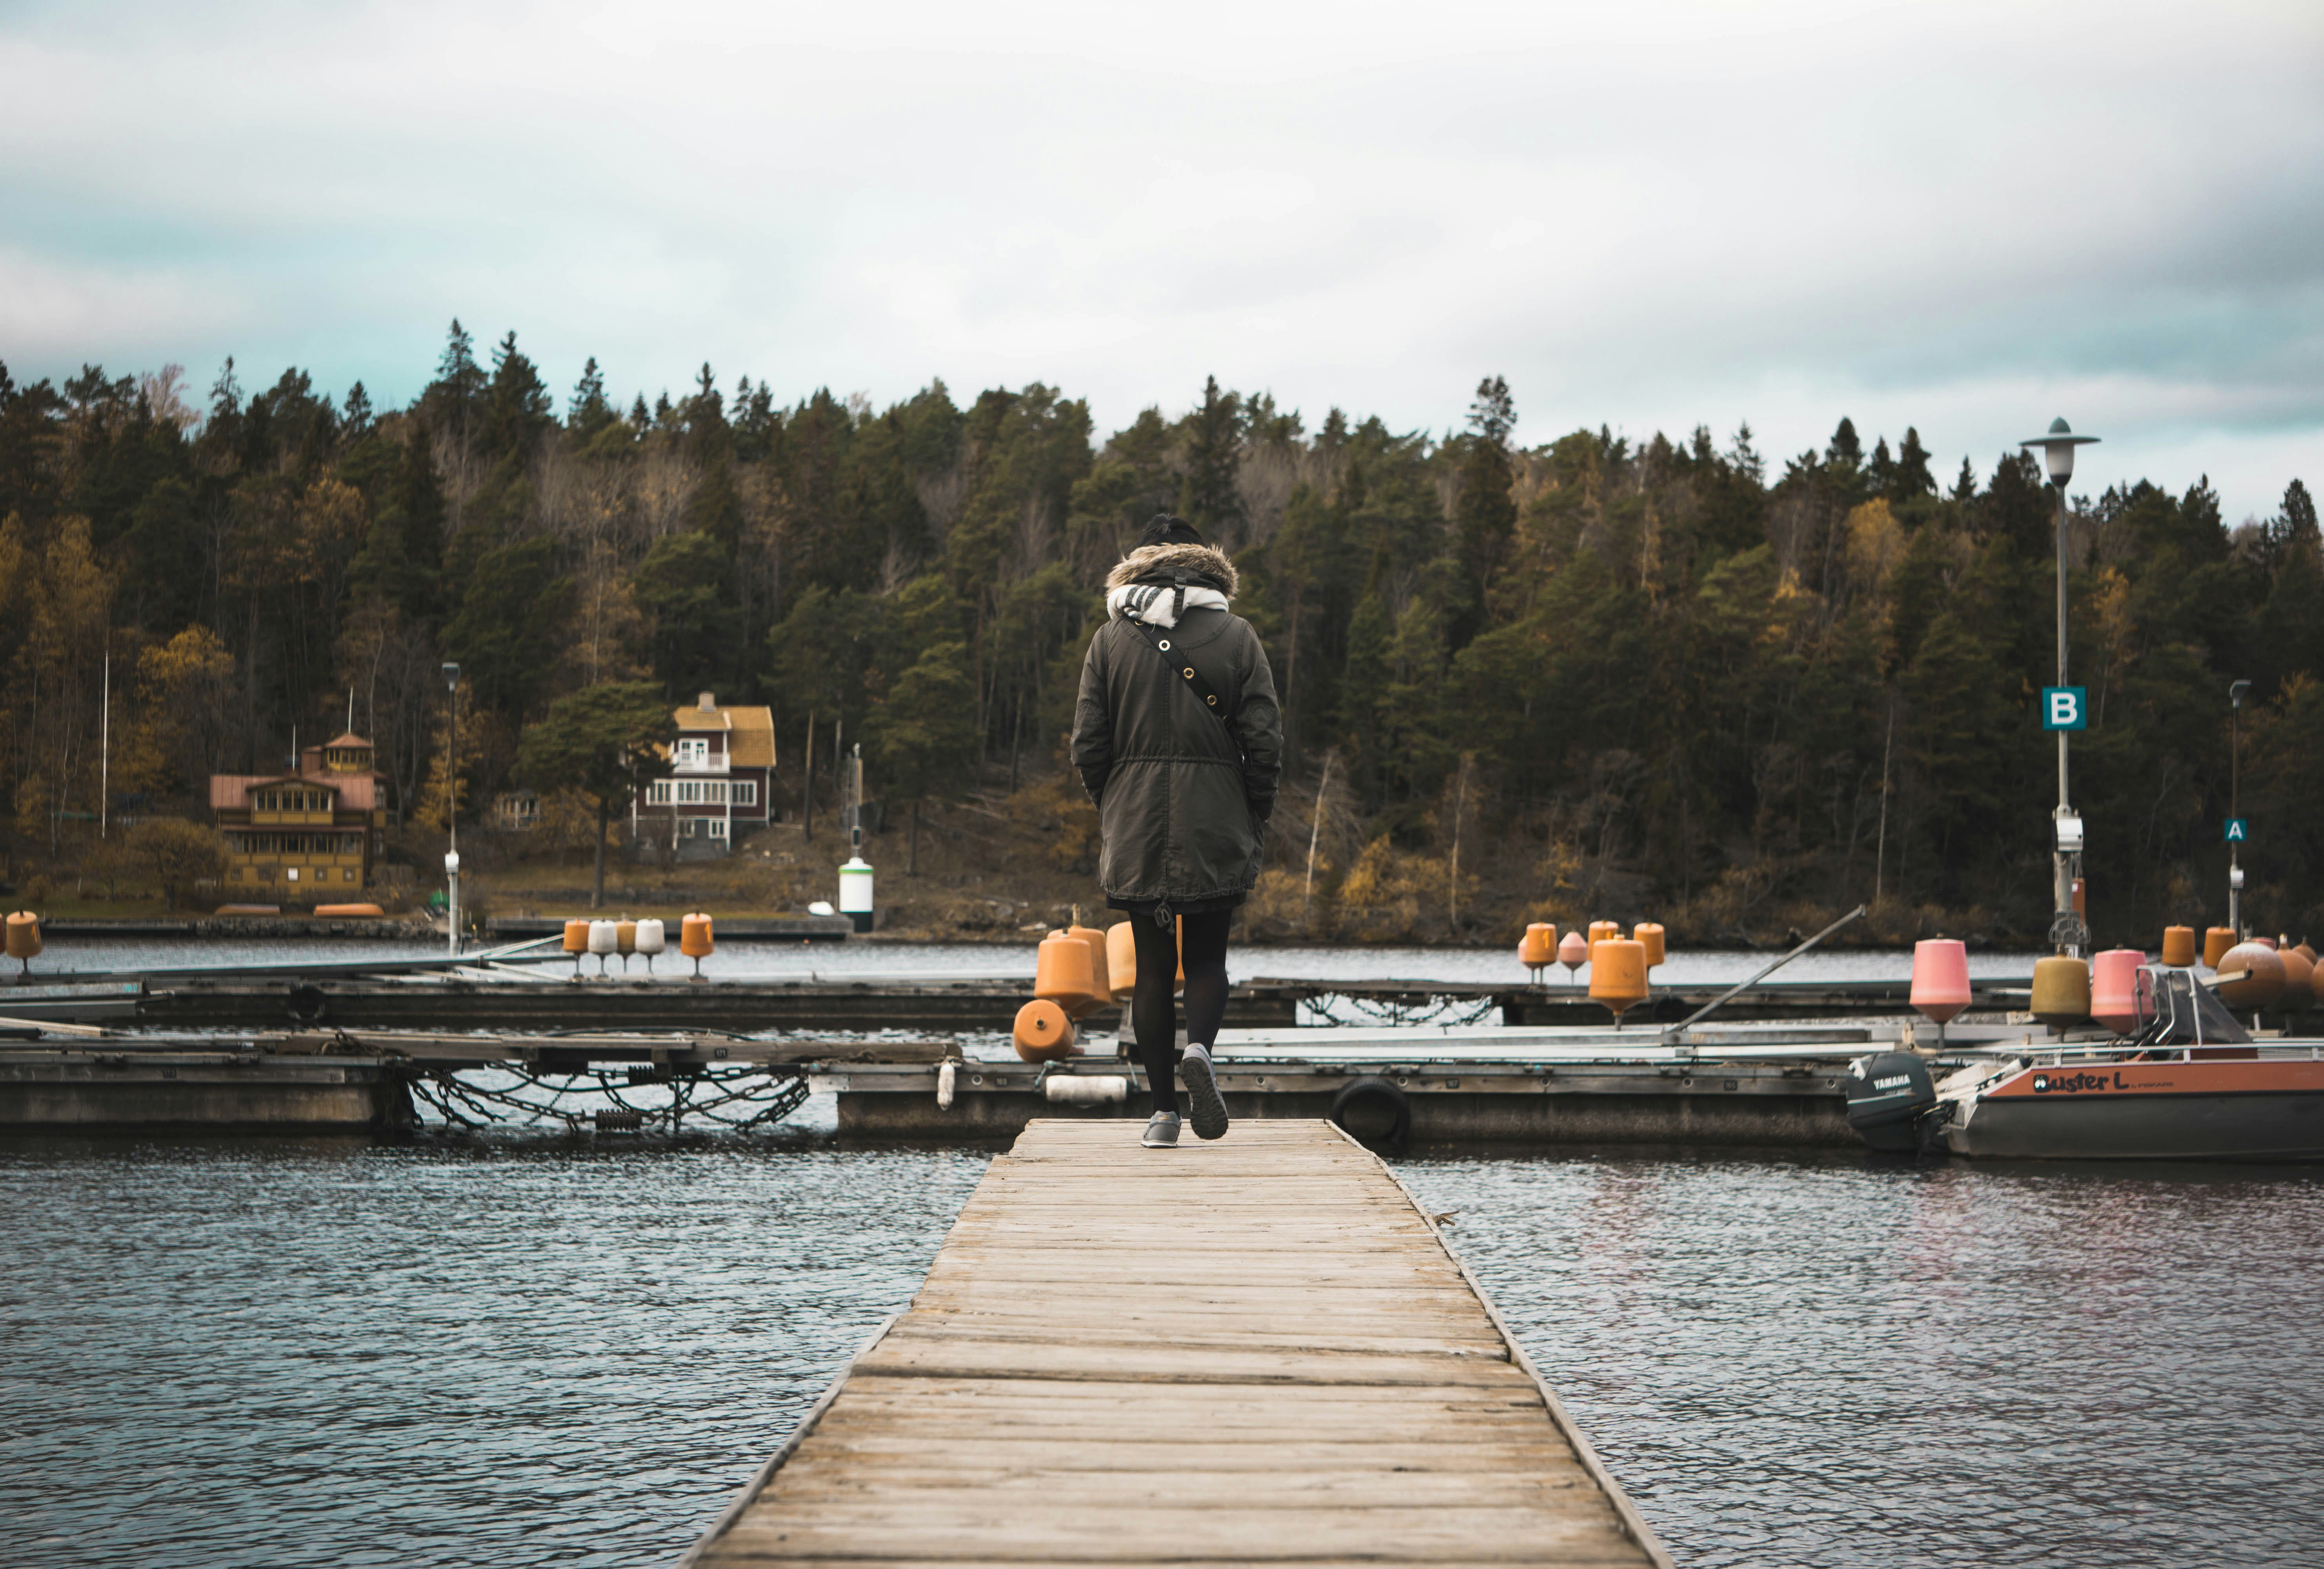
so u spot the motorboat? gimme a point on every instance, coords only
(2188, 1083)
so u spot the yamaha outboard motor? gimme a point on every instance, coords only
(1887, 1094)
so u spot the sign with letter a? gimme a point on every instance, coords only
(2238, 831)
(2065, 708)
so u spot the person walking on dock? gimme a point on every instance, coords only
(1179, 739)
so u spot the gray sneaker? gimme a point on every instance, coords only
(1161, 1132)
(1207, 1107)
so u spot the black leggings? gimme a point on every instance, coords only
(1205, 958)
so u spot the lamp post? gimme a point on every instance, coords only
(2237, 692)
(452, 801)
(2068, 930)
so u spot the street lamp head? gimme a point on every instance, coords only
(451, 863)
(451, 675)
(2058, 450)
(2237, 692)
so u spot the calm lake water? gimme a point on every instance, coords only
(533, 1351)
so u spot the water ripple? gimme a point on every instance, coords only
(1834, 1360)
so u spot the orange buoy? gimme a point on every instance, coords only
(1940, 978)
(577, 937)
(695, 941)
(2249, 976)
(1043, 1032)
(2179, 946)
(2299, 981)
(1618, 975)
(2305, 950)
(1121, 960)
(23, 937)
(1601, 930)
(625, 937)
(1573, 951)
(1062, 975)
(2061, 991)
(2114, 989)
(2216, 941)
(348, 911)
(1538, 948)
(1648, 935)
(1100, 987)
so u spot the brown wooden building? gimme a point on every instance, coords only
(316, 835)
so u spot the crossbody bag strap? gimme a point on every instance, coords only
(1183, 669)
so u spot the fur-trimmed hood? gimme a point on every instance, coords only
(1208, 561)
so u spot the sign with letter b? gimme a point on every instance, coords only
(2065, 708)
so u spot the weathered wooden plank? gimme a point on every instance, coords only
(1255, 1351)
(1143, 1534)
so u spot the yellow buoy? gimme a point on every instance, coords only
(1618, 975)
(2216, 941)
(1062, 974)
(1043, 1032)
(625, 937)
(695, 941)
(2179, 946)
(1121, 960)
(1538, 948)
(23, 937)
(2061, 990)
(1101, 984)
(1648, 935)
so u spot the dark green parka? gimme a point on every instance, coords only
(1182, 800)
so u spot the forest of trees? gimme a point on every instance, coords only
(1579, 675)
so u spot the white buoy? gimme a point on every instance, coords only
(651, 940)
(1085, 1089)
(603, 939)
(856, 891)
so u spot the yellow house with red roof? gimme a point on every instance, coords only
(313, 834)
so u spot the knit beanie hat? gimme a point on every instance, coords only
(1166, 530)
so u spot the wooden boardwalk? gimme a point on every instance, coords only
(1258, 1351)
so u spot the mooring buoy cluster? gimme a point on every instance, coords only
(2258, 974)
(646, 938)
(1620, 967)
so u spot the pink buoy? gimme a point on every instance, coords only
(1940, 978)
(2113, 990)
(1573, 951)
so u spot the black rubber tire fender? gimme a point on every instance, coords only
(1374, 1090)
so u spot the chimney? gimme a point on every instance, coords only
(708, 702)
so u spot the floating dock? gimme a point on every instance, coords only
(546, 1000)
(1256, 1350)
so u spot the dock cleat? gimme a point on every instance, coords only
(1161, 1130)
(1208, 1107)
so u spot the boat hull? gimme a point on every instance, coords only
(2236, 1109)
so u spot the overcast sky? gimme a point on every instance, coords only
(1965, 216)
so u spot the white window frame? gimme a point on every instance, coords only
(691, 751)
(717, 827)
(743, 792)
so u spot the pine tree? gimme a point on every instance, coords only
(1211, 500)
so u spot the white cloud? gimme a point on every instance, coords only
(1967, 217)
